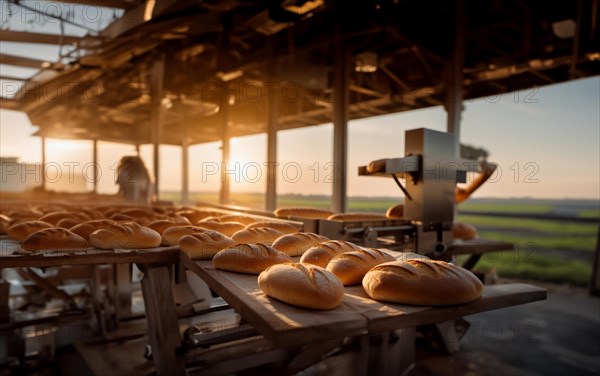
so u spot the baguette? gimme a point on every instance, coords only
(377, 165)
(351, 267)
(54, 217)
(422, 282)
(308, 213)
(195, 215)
(227, 228)
(282, 227)
(257, 235)
(297, 243)
(249, 258)
(171, 235)
(237, 218)
(204, 246)
(86, 228)
(320, 254)
(22, 230)
(160, 225)
(302, 285)
(348, 217)
(53, 239)
(127, 235)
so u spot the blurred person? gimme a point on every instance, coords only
(135, 183)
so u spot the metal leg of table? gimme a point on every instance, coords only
(163, 328)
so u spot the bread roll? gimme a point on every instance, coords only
(68, 222)
(54, 217)
(395, 212)
(347, 217)
(257, 235)
(282, 227)
(422, 282)
(320, 254)
(376, 166)
(226, 228)
(297, 243)
(237, 218)
(139, 213)
(351, 267)
(86, 228)
(171, 235)
(52, 239)
(302, 285)
(22, 230)
(195, 215)
(308, 213)
(249, 258)
(463, 231)
(161, 225)
(205, 245)
(127, 235)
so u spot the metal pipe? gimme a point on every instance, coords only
(454, 80)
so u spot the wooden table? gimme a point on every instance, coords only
(163, 328)
(358, 316)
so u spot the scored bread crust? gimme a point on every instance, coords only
(347, 217)
(302, 285)
(249, 258)
(237, 218)
(297, 243)
(204, 246)
(351, 267)
(22, 230)
(422, 282)
(127, 235)
(282, 227)
(160, 225)
(308, 213)
(257, 235)
(227, 228)
(171, 235)
(86, 228)
(320, 254)
(463, 231)
(53, 239)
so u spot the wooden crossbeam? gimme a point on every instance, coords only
(27, 37)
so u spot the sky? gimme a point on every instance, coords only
(546, 141)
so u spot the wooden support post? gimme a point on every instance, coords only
(43, 166)
(123, 290)
(225, 148)
(341, 78)
(272, 125)
(95, 161)
(156, 115)
(185, 180)
(163, 329)
(454, 78)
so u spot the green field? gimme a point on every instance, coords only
(559, 251)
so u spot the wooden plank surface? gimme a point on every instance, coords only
(12, 256)
(287, 324)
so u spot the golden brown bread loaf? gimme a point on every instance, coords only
(348, 217)
(195, 215)
(249, 258)
(206, 245)
(4, 223)
(463, 231)
(395, 212)
(86, 228)
(68, 222)
(282, 227)
(308, 213)
(53, 239)
(422, 282)
(161, 225)
(237, 218)
(351, 267)
(302, 285)
(376, 166)
(171, 235)
(297, 243)
(320, 254)
(127, 235)
(256, 235)
(22, 230)
(226, 228)
(54, 217)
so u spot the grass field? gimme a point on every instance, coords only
(547, 250)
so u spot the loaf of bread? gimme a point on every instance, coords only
(308, 213)
(237, 218)
(376, 166)
(302, 285)
(68, 222)
(256, 235)
(206, 245)
(53, 239)
(395, 212)
(320, 254)
(129, 235)
(171, 235)
(54, 217)
(351, 267)
(297, 243)
(282, 227)
(4, 223)
(463, 231)
(349, 217)
(22, 230)
(422, 282)
(249, 258)
(226, 228)
(160, 225)
(86, 228)
(195, 215)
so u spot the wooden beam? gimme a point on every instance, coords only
(12, 78)
(41, 38)
(340, 117)
(118, 4)
(22, 61)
